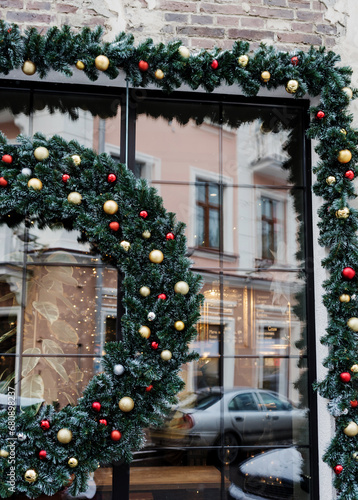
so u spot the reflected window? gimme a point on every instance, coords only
(243, 402)
(271, 227)
(208, 214)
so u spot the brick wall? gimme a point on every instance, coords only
(198, 23)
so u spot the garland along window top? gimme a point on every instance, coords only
(127, 223)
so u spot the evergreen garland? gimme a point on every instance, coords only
(314, 72)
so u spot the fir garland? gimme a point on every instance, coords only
(314, 72)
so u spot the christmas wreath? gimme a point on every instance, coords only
(315, 73)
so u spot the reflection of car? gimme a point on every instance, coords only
(239, 417)
(273, 474)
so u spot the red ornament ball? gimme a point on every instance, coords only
(65, 177)
(143, 65)
(215, 64)
(345, 376)
(45, 425)
(7, 159)
(170, 236)
(103, 421)
(114, 226)
(320, 115)
(111, 178)
(116, 435)
(149, 388)
(354, 403)
(338, 469)
(294, 60)
(349, 175)
(42, 454)
(3, 182)
(154, 345)
(348, 273)
(143, 214)
(162, 296)
(96, 406)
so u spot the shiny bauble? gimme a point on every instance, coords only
(154, 345)
(116, 435)
(156, 256)
(330, 180)
(72, 462)
(353, 324)
(338, 469)
(102, 421)
(21, 437)
(343, 131)
(355, 455)
(96, 406)
(114, 225)
(35, 184)
(184, 52)
(41, 153)
(4, 453)
(151, 316)
(351, 430)
(179, 326)
(344, 297)
(64, 436)
(143, 214)
(110, 207)
(42, 454)
(215, 64)
(144, 291)
(45, 425)
(294, 61)
(29, 68)
(243, 60)
(344, 156)
(26, 171)
(125, 245)
(265, 76)
(292, 86)
(65, 178)
(166, 355)
(144, 332)
(143, 65)
(354, 403)
(30, 476)
(181, 287)
(349, 175)
(111, 177)
(342, 213)
(348, 92)
(126, 404)
(6, 158)
(118, 369)
(149, 388)
(80, 65)
(76, 159)
(146, 234)
(162, 296)
(74, 198)
(345, 377)
(159, 75)
(169, 236)
(320, 115)
(3, 182)
(348, 273)
(354, 368)
(101, 62)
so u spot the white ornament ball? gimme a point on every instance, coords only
(21, 436)
(125, 245)
(118, 369)
(184, 52)
(348, 92)
(181, 287)
(76, 159)
(26, 171)
(151, 316)
(166, 355)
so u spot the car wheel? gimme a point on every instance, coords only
(228, 455)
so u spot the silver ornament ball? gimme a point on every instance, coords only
(118, 369)
(26, 171)
(21, 436)
(151, 316)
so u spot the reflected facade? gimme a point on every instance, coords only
(235, 173)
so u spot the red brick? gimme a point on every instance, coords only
(309, 15)
(249, 34)
(66, 8)
(276, 13)
(198, 19)
(15, 4)
(252, 22)
(227, 20)
(38, 6)
(180, 18)
(276, 3)
(330, 41)
(197, 31)
(203, 43)
(178, 6)
(317, 5)
(326, 29)
(299, 38)
(222, 9)
(295, 5)
(27, 17)
(302, 27)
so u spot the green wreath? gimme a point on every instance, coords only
(125, 221)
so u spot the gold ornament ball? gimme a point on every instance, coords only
(344, 156)
(354, 368)
(64, 436)
(144, 332)
(156, 256)
(126, 404)
(353, 324)
(74, 198)
(125, 245)
(35, 184)
(29, 68)
(159, 75)
(344, 297)
(292, 86)
(146, 234)
(265, 76)
(4, 453)
(110, 207)
(243, 60)
(184, 52)
(351, 429)
(331, 180)
(179, 326)
(144, 291)
(72, 462)
(343, 131)
(343, 213)
(41, 153)
(166, 355)
(355, 455)
(181, 287)
(348, 92)
(101, 63)
(76, 159)
(80, 65)
(30, 475)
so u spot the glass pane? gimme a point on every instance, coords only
(200, 225)
(12, 243)
(213, 194)
(214, 228)
(201, 191)
(7, 378)
(14, 114)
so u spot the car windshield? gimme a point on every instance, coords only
(205, 401)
